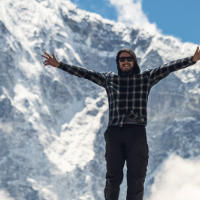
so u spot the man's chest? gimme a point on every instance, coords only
(125, 85)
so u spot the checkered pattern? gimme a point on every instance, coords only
(128, 94)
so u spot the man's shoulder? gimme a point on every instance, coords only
(109, 73)
(146, 72)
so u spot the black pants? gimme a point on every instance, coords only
(128, 144)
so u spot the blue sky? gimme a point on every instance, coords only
(179, 18)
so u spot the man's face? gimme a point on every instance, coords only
(126, 66)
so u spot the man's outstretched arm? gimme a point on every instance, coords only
(164, 70)
(81, 72)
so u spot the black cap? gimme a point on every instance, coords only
(136, 68)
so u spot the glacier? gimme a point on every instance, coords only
(52, 124)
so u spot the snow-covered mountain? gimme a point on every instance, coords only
(52, 123)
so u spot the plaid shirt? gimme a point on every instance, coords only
(128, 94)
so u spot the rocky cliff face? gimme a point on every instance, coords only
(52, 123)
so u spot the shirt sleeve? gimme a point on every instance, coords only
(164, 70)
(81, 72)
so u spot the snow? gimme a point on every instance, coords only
(77, 138)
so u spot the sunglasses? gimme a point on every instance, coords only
(122, 59)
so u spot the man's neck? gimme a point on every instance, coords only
(126, 73)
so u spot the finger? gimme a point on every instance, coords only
(54, 56)
(45, 62)
(197, 49)
(47, 54)
(45, 57)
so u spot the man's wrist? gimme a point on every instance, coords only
(58, 64)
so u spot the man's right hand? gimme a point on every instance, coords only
(50, 60)
(196, 56)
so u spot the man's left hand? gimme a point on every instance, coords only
(50, 60)
(196, 56)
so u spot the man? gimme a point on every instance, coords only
(126, 133)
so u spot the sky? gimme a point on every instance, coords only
(179, 18)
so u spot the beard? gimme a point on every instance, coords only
(126, 70)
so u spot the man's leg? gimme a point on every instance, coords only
(115, 159)
(137, 160)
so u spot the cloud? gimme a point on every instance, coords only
(130, 12)
(5, 196)
(179, 179)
